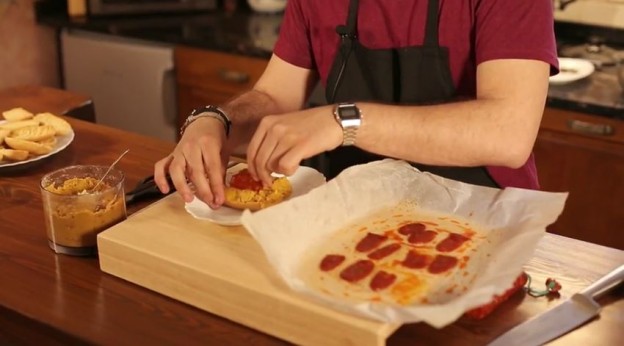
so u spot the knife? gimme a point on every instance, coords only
(147, 188)
(563, 318)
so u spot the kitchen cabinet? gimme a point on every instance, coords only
(206, 77)
(584, 155)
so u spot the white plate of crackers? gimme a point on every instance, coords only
(26, 137)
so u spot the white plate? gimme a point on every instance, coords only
(61, 143)
(571, 69)
(304, 180)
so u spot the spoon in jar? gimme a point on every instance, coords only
(109, 169)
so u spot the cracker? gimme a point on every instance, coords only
(14, 125)
(31, 147)
(34, 133)
(61, 126)
(17, 114)
(3, 133)
(51, 142)
(14, 155)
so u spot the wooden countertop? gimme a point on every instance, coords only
(57, 299)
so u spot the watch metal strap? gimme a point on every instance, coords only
(350, 123)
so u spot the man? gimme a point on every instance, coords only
(455, 87)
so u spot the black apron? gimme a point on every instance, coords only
(410, 75)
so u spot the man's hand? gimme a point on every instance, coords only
(282, 141)
(199, 159)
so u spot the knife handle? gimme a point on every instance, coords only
(604, 283)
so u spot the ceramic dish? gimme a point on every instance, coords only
(572, 69)
(303, 181)
(62, 142)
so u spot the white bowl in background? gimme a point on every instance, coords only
(572, 69)
(267, 6)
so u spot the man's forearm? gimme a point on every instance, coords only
(246, 111)
(469, 133)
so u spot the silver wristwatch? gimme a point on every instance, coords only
(349, 117)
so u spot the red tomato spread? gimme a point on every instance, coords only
(244, 181)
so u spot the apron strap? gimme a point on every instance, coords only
(431, 28)
(350, 29)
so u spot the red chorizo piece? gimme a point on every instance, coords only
(411, 228)
(382, 280)
(442, 263)
(452, 242)
(357, 271)
(415, 260)
(370, 242)
(384, 251)
(422, 237)
(330, 262)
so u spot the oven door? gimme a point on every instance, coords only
(106, 7)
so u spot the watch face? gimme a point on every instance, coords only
(348, 112)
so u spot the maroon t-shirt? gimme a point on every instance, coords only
(473, 30)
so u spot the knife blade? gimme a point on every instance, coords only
(563, 318)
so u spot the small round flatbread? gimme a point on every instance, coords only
(17, 114)
(254, 200)
(31, 147)
(34, 133)
(60, 125)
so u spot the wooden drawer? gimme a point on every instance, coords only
(225, 73)
(584, 125)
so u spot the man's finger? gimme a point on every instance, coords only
(160, 174)
(177, 171)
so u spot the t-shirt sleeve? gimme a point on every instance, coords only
(516, 29)
(293, 44)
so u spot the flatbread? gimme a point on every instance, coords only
(397, 256)
(256, 199)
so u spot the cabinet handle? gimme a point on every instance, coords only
(233, 76)
(590, 129)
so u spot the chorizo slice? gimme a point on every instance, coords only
(330, 262)
(410, 228)
(357, 271)
(415, 260)
(422, 237)
(384, 251)
(382, 280)
(451, 242)
(370, 242)
(442, 263)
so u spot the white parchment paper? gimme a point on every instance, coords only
(286, 231)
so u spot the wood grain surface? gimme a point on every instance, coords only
(53, 299)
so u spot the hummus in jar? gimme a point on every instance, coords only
(75, 214)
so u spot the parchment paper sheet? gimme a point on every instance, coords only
(286, 231)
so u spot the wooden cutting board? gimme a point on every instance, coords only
(223, 270)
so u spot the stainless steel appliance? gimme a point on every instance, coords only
(107, 7)
(131, 81)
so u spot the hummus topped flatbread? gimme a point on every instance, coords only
(243, 192)
(400, 256)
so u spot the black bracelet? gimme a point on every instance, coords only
(208, 111)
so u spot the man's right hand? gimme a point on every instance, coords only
(198, 159)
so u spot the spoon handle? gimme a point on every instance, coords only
(110, 168)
